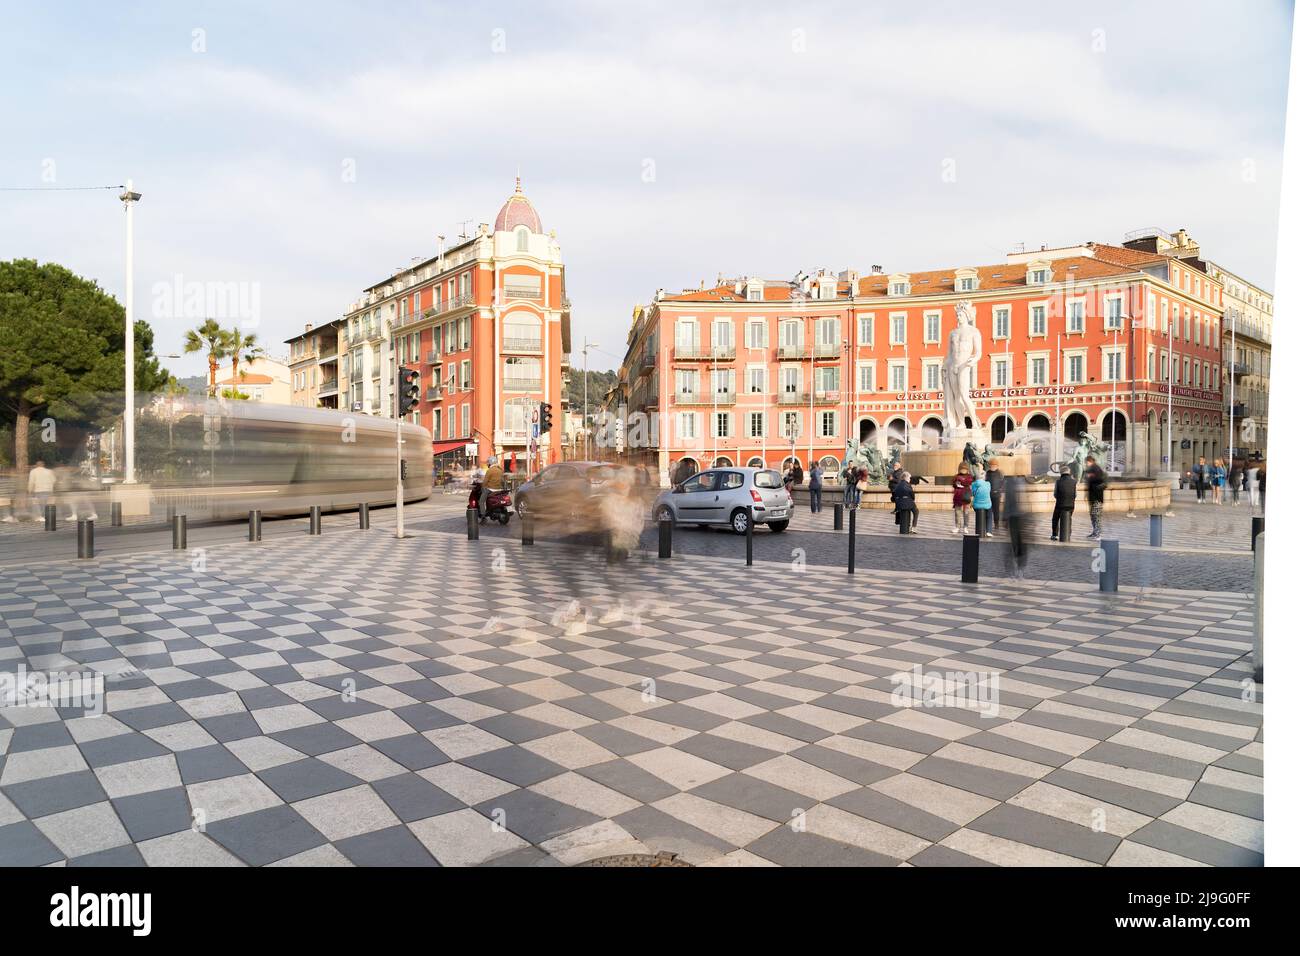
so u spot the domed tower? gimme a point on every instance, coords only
(518, 211)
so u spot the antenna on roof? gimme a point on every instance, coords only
(1020, 247)
(464, 228)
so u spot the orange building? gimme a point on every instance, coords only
(486, 323)
(1086, 338)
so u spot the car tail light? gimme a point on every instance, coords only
(756, 496)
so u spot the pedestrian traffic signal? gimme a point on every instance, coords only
(544, 418)
(408, 390)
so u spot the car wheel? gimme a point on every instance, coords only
(740, 521)
(665, 514)
(778, 526)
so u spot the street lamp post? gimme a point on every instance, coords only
(586, 434)
(129, 199)
(1232, 395)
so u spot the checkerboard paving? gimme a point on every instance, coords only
(355, 700)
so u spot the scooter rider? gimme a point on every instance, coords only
(493, 480)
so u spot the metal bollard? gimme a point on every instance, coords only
(905, 522)
(970, 559)
(853, 539)
(471, 526)
(1256, 529)
(255, 526)
(749, 538)
(527, 528)
(613, 554)
(115, 513)
(665, 537)
(1067, 522)
(313, 520)
(839, 517)
(1157, 538)
(85, 538)
(179, 532)
(1108, 576)
(981, 521)
(363, 516)
(1257, 654)
(51, 518)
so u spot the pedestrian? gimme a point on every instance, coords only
(1220, 479)
(851, 493)
(997, 486)
(788, 480)
(797, 469)
(982, 504)
(815, 488)
(1095, 482)
(40, 487)
(961, 498)
(1200, 475)
(493, 480)
(1263, 486)
(1252, 485)
(1064, 494)
(1017, 525)
(915, 480)
(1234, 482)
(904, 499)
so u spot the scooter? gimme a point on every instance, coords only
(498, 503)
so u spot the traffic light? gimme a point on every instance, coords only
(408, 390)
(544, 418)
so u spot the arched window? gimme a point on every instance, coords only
(755, 462)
(521, 332)
(722, 461)
(1076, 423)
(830, 464)
(1038, 423)
(521, 239)
(867, 431)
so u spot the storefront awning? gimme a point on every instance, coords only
(442, 447)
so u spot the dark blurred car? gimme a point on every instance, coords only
(571, 490)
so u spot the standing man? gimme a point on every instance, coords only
(996, 478)
(40, 486)
(1017, 526)
(815, 488)
(1095, 481)
(1064, 493)
(1200, 475)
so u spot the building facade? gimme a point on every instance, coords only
(1124, 344)
(264, 379)
(486, 323)
(314, 366)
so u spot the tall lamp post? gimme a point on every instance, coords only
(586, 433)
(1232, 395)
(129, 199)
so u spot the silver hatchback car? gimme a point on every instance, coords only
(725, 496)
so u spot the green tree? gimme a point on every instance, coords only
(216, 340)
(62, 351)
(243, 348)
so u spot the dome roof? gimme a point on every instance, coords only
(518, 211)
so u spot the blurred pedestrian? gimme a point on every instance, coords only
(1252, 485)
(1017, 516)
(1200, 475)
(815, 488)
(40, 487)
(797, 470)
(1095, 483)
(1234, 482)
(1064, 493)
(904, 499)
(961, 498)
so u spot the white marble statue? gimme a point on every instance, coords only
(965, 346)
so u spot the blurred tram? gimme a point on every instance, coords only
(224, 458)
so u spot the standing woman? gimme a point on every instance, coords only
(1219, 477)
(1252, 485)
(815, 487)
(961, 499)
(982, 502)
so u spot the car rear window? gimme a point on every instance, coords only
(767, 479)
(601, 474)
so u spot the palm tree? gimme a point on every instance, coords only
(211, 336)
(243, 348)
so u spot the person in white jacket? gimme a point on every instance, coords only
(40, 487)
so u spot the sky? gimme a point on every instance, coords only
(301, 153)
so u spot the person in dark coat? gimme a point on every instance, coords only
(904, 502)
(1017, 515)
(1064, 493)
(996, 478)
(1095, 481)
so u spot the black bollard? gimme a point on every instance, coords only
(1067, 519)
(255, 526)
(179, 531)
(665, 537)
(839, 517)
(1108, 575)
(981, 521)
(115, 514)
(363, 516)
(1256, 529)
(749, 538)
(526, 529)
(313, 520)
(1157, 538)
(905, 522)
(970, 559)
(51, 518)
(471, 526)
(853, 539)
(85, 538)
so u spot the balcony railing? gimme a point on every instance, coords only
(824, 350)
(705, 398)
(792, 398)
(792, 351)
(433, 358)
(433, 394)
(328, 387)
(450, 305)
(522, 384)
(704, 353)
(512, 344)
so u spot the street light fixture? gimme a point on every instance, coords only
(129, 198)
